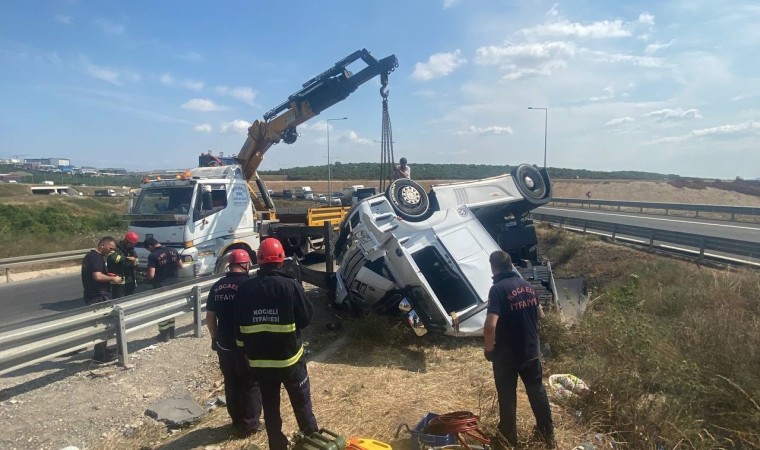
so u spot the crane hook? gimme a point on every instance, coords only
(384, 92)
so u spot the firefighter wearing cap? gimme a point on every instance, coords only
(271, 309)
(163, 270)
(240, 390)
(122, 262)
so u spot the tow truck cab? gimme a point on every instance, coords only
(203, 215)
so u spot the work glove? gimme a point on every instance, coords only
(488, 355)
(214, 345)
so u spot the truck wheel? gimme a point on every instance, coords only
(409, 199)
(530, 183)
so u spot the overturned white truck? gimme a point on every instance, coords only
(427, 253)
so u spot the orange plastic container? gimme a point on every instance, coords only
(366, 444)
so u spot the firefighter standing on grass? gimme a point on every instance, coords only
(163, 265)
(271, 309)
(122, 262)
(240, 390)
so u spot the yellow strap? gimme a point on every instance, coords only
(276, 363)
(268, 328)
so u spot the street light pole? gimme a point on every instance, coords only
(329, 167)
(546, 128)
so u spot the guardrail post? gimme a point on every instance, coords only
(618, 207)
(585, 225)
(196, 297)
(614, 231)
(651, 240)
(7, 274)
(701, 249)
(121, 336)
(733, 217)
(666, 211)
(329, 261)
(561, 221)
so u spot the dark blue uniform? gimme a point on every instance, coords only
(240, 389)
(270, 311)
(517, 353)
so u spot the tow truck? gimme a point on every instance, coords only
(212, 209)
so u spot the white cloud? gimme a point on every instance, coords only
(495, 55)
(565, 29)
(107, 74)
(166, 79)
(242, 93)
(60, 18)
(668, 114)
(528, 59)
(109, 27)
(427, 93)
(719, 131)
(449, 3)
(236, 126)
(203, 128)
(438, 65)
(193, 85)
(609, 93)
(189, 56)
(352, 138)
(202, 104)
(657, 46)
(486, 131)
(646, 19)
(619, 121)
(643, 61)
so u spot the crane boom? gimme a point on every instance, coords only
(319, 93)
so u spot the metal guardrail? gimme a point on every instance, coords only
(655, 237)
(27, 343)
(7, 263)
(733, 211)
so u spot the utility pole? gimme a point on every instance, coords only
(329, 167)
(546, 128)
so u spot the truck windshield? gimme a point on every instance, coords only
(448, 286)
(172, 200)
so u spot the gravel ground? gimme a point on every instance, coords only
(76, 402)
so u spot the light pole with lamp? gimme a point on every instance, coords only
(329, 168)
(546, 128)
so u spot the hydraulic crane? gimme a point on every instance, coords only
(319, 93)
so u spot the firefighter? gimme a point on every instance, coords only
(97, 286)
(163, 266)
(271, 309)
(240, 390)
(122, 262)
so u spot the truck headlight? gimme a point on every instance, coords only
(187, 258)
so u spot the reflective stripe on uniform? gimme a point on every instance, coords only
(276, 363)
(239, 343)
(268, 328)
(166, 325)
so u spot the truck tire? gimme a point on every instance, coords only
(409, 200)
(530, 183)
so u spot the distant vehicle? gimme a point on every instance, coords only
(287, 193)
(12, 181)
(105, 193)
(304, 192)
(322, 198)
(337, 201)
(48, 183)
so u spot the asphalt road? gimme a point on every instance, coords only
(23, 300)
(743, 231)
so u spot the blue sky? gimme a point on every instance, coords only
(661, 86)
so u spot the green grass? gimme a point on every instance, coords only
(671, 352)
(52, 226)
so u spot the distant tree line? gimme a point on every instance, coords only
(364, 171)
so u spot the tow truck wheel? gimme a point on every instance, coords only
(409, 199)
(530, 183)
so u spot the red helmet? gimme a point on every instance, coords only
(270, 251)
(131, 237)
(239, 256)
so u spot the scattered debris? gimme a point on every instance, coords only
(176, 411)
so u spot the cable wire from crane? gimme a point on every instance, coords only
(386, 142)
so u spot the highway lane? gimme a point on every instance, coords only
(749, 232)
(31, 299)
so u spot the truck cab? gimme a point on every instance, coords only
(203, 214)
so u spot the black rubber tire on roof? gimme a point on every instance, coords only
(409, 200)
(530, 183)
